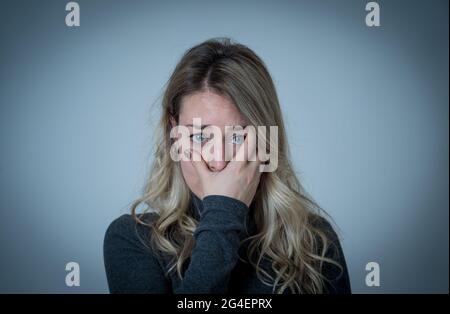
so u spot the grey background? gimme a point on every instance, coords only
(366, 111)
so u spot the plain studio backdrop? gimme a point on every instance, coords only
(366, 110)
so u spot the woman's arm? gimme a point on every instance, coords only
(226, 196)
(217, 238)
(132, 267)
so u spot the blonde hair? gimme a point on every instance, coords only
(285, 216)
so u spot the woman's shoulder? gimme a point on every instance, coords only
(126, 222)
(323, 224)
(326, 232)
(126, 230)
(131, 263)
(337, 274)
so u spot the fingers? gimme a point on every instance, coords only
(251, 149)
(197, 161)
(248, 150)
(251, 137)
(241, 151)
(180, 142)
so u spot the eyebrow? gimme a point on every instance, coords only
(201, 128)
(206, 125)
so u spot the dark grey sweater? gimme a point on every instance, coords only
(218, 263)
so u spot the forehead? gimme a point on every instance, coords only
(212, 108)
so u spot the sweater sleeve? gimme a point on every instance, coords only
(132, 266)
(217, 238)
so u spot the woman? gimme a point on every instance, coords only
(220, 225)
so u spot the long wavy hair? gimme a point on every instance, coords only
(285, 215)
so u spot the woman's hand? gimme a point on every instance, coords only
(239, 179)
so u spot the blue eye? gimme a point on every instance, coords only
(199, 138)
(237, 139)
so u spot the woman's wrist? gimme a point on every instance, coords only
(221, 209)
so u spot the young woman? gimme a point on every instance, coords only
(220, 225)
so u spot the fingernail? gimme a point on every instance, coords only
(187, 153)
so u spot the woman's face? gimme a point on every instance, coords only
(213, 110)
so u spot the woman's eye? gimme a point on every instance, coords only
(237, 139)
(199, 138)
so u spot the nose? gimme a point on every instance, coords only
(218, 161)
